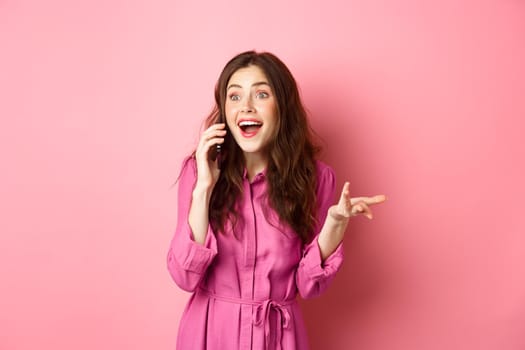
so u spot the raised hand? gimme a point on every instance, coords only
(347, 206)
(207, 167)
(336, 221)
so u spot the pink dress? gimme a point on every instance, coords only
(245, 284)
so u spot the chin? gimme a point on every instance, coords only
(251, 146)
(250, 149)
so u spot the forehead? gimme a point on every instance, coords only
(247, 76)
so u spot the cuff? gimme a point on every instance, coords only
(315, 267)
(192, 256)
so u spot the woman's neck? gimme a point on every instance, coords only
(255, 164)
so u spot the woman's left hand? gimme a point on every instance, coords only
(348, 207)
(336, 221)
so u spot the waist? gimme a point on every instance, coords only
(261, 315)
(244, 301)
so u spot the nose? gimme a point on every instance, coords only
(247, 105)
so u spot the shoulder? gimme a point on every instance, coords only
(325, 176)
(188, 170)
(188, 164)
(324, 171)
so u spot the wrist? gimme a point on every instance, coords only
(332, 232)
(202, 191)
(338, 223)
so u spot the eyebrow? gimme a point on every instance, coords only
(254, 84)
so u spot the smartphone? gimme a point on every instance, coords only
(218, 147)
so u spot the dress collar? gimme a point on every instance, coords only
(258, 177)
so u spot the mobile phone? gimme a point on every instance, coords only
(218, 147)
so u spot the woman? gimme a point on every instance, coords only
(256, 224)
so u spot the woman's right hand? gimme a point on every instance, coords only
(207, 168)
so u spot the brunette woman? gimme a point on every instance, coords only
(257, 219)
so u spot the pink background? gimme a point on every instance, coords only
(421, 100)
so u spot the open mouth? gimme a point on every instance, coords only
(249, 127)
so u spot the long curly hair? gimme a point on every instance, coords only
(291, 173)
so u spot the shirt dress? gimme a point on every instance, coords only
(244, 282)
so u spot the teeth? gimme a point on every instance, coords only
(249, 123)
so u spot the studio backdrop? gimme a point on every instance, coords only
(100, 101)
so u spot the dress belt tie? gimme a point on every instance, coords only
(262, 314)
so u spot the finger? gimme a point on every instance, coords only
(369, 200)
(345, 195)
(366, 211)
(356, 209)
(204, 151)
(214, 129)
(216, 126)
(361, 208)
(209, 144)
(209, 134)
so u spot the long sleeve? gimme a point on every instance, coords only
(188, 260)
(314, 275)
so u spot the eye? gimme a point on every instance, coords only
(262, 94)
(234, 97)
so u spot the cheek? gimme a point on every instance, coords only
(228, 110)
(271, 114)
(230, 116)
(270, 109)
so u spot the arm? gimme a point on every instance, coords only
(207, 176)
(315, 272)
(323, 257)
(194, 246)
(188, 259)
(198, 215)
